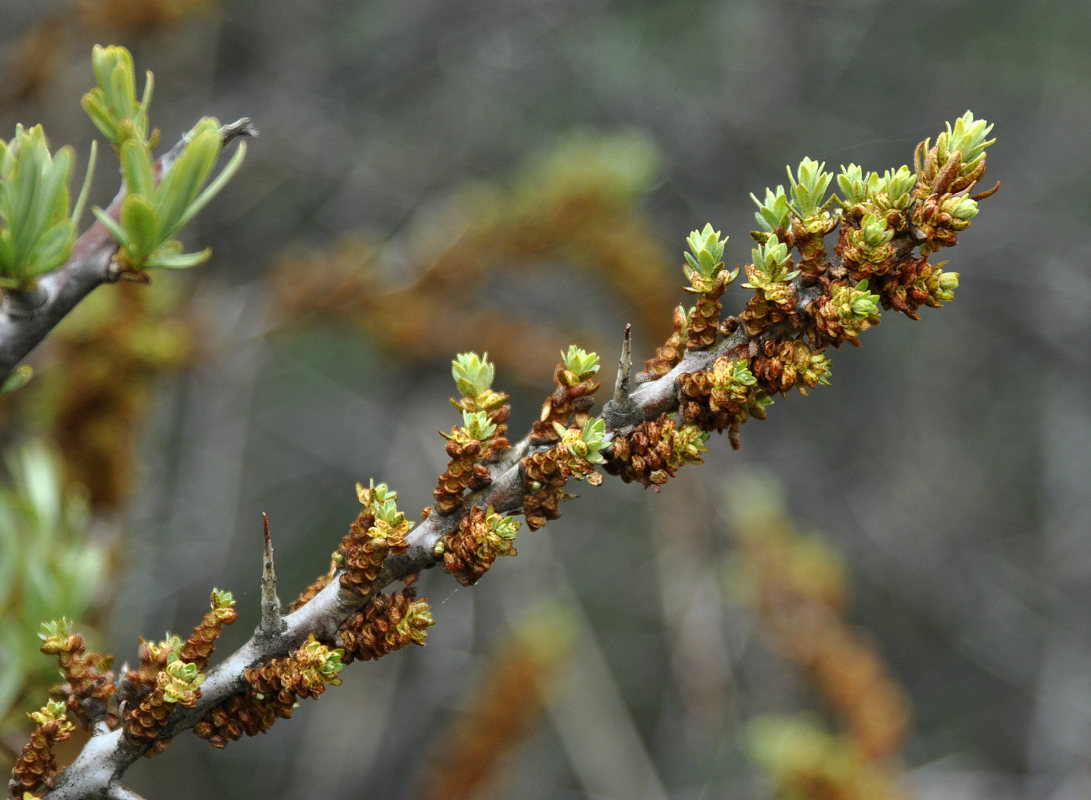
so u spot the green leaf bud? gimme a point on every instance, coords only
(478, 426)
(706, 251)
(874, 232)
(896, 186)
(808, 187)
(853, 184)
(36, 229)
(579, 362)
(862, 302)
(774, 211)
(473, 374)
(966, 136)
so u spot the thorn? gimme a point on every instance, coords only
(624, 366)
(272, 621)
(621, 411)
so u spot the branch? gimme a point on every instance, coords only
(713, 373)
(26, 317)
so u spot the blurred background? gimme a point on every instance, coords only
(885, 593)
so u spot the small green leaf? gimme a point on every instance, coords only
(178, 260)
(17, 378)
(139, 221)
(111, 225)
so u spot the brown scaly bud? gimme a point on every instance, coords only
(937, 220)
(571, 400)
(89, 683)
(916, 283)
(379, 530)
(469, 445)
(704, 319)
(388, 622)
(653, 451)
(202, 642)
(36, 766)
(481, 536)
(670, 352)
(543, 475)
(780, 365)
(237, 715)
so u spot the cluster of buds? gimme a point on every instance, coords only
(202, 642)
(946, 173)
(272, 692)
(388, 622)
(36, 766)
(652, 452)
(571, 400)
(545, 472)
(89, 683)
(722, 397)
(704, 269)
(671, 351)
(378, 530)
(843, 314)
(164, 682)
(770, 276)
(480, 439)
(481, 537)
(918, 282)
(782, 364)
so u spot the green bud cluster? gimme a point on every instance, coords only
(857, 308)
(382, 503)
(774, 212)
(967, 137)
(416, 621)
(772, 264)
(583, 446)
(580, 363)
(734, 387)
(52, 711)
(704, 260)
(179, 680)
(871, 241)
(321, 665)
(808, 188)
(478, 426)
(689, 444)
(874, 192)
(498, 537)
(112, 105)
(473, 376)
(36, 229)
(222, 600)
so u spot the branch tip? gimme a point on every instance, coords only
(240, 127)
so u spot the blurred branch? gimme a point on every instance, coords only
(27, 316)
